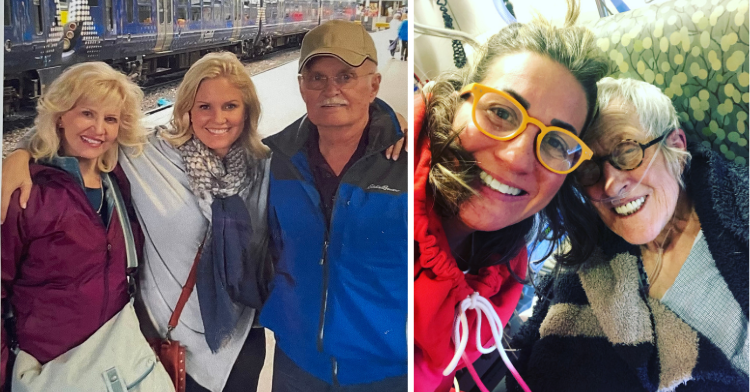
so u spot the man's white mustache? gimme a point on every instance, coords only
(334, 101)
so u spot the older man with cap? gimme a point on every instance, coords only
(338, 217)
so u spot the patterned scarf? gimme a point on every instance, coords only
(227, 276)
(213, 177)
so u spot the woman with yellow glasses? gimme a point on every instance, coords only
(495, 143)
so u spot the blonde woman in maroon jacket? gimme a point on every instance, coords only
(64, 255)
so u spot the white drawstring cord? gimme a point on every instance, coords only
(460, 340)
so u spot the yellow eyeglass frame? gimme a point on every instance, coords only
(478, 90)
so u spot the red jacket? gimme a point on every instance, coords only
(439, 284)
(62, 270)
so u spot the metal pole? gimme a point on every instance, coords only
(601, 8)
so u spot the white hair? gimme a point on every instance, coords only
(656, 116)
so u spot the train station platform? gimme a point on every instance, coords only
(281, 102)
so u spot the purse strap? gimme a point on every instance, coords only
(131, 256)
(187, 289)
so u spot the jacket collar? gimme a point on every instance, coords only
(639, 329)
(384, 131)
(68, 164)
(719, 191)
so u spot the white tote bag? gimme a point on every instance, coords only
(116, 358)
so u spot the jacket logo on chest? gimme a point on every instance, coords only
(383, 188)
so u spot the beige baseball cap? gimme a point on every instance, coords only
(346, 40)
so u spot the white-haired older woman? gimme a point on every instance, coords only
(64, 257)
(661, 302)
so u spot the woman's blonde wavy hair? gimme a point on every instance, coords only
(214, 65)
(453, 168)
(94, 82)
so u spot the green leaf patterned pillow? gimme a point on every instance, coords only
(697, 52)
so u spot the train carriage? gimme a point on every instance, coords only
(145, 38)
(33, 48)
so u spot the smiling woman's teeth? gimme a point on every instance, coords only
(91, 141)
(498, 186)
(631, 207)
(218, 131)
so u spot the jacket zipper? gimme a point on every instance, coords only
(335, 370)
(324, 294)
(106, 286)
(325, 266)
(98, 221)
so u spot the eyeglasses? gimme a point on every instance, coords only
(501, 117)
(627, 155)
(342, 81)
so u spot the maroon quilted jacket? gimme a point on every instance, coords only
(62, 270)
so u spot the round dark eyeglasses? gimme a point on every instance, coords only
(627, 155)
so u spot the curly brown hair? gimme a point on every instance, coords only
(453, 168)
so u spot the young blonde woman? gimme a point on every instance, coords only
(204, 180)
(64, 257)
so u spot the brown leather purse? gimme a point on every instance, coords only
(170, 352)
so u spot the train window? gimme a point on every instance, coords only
(206, 9)
(195, 10)
(182, 9)
(129, 10)
(108, 14)
(168, 10)
(144, 11)
(37, 11)
(217, 9)
(246, 11)
(228, 9)
(7, 11)
(93, 3)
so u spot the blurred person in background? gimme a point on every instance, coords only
(394, 27)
